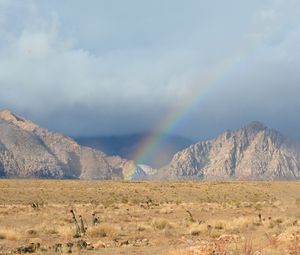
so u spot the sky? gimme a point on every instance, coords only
(97, 67)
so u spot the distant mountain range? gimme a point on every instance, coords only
(253, 152)
(126, 146)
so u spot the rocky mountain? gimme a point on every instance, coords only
(126, 146)
(131, 171)
(148, 170)
(252, 152)
(27, 151)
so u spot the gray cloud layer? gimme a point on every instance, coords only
(110, 67)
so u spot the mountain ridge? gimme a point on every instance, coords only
(27, 151)
(251, 152)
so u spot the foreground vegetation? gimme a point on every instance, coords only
(185, 218)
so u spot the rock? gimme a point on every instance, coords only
(226, 238)
(58, 247)
(31, 248)
(124, 243)
(27, 150)
(81, 244)
(99, 245)
(253, 152)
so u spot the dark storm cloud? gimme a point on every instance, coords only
(114, 67)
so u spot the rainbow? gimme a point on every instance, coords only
(200, 90)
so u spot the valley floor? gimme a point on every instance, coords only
(150, 218)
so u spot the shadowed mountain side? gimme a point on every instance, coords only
(126, 146)
(252, 152)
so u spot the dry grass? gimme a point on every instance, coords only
(8, 234)
(160, 224)
(104, 230)
(151, 218)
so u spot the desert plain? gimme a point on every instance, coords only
(149, 218)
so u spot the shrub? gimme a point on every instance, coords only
(103, 230)
(161, 224)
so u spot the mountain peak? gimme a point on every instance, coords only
(255, 127)
(7, 115)
(26, 151)
(10, 117)
(252, 152)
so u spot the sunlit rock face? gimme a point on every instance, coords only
(253, 152)
(28, 151)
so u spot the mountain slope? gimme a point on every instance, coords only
(126, 145)
(26, 150)
(252, 152)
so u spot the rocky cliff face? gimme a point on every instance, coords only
(26, 150)
(252, 152)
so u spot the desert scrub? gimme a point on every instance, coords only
(65, 231)
(124, 200)
(220, 225)
(8, 234)
(239, 223)
(196, 229)
(32, 233)
(166, 210)
(108, 203)
(160, 223)
(298, 202)
(103, 230)
(142, 228)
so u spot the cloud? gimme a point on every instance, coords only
(108, 68)
(43, 72)
(264, 84)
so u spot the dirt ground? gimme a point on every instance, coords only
(149, 218)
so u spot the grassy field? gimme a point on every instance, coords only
(149, 218)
